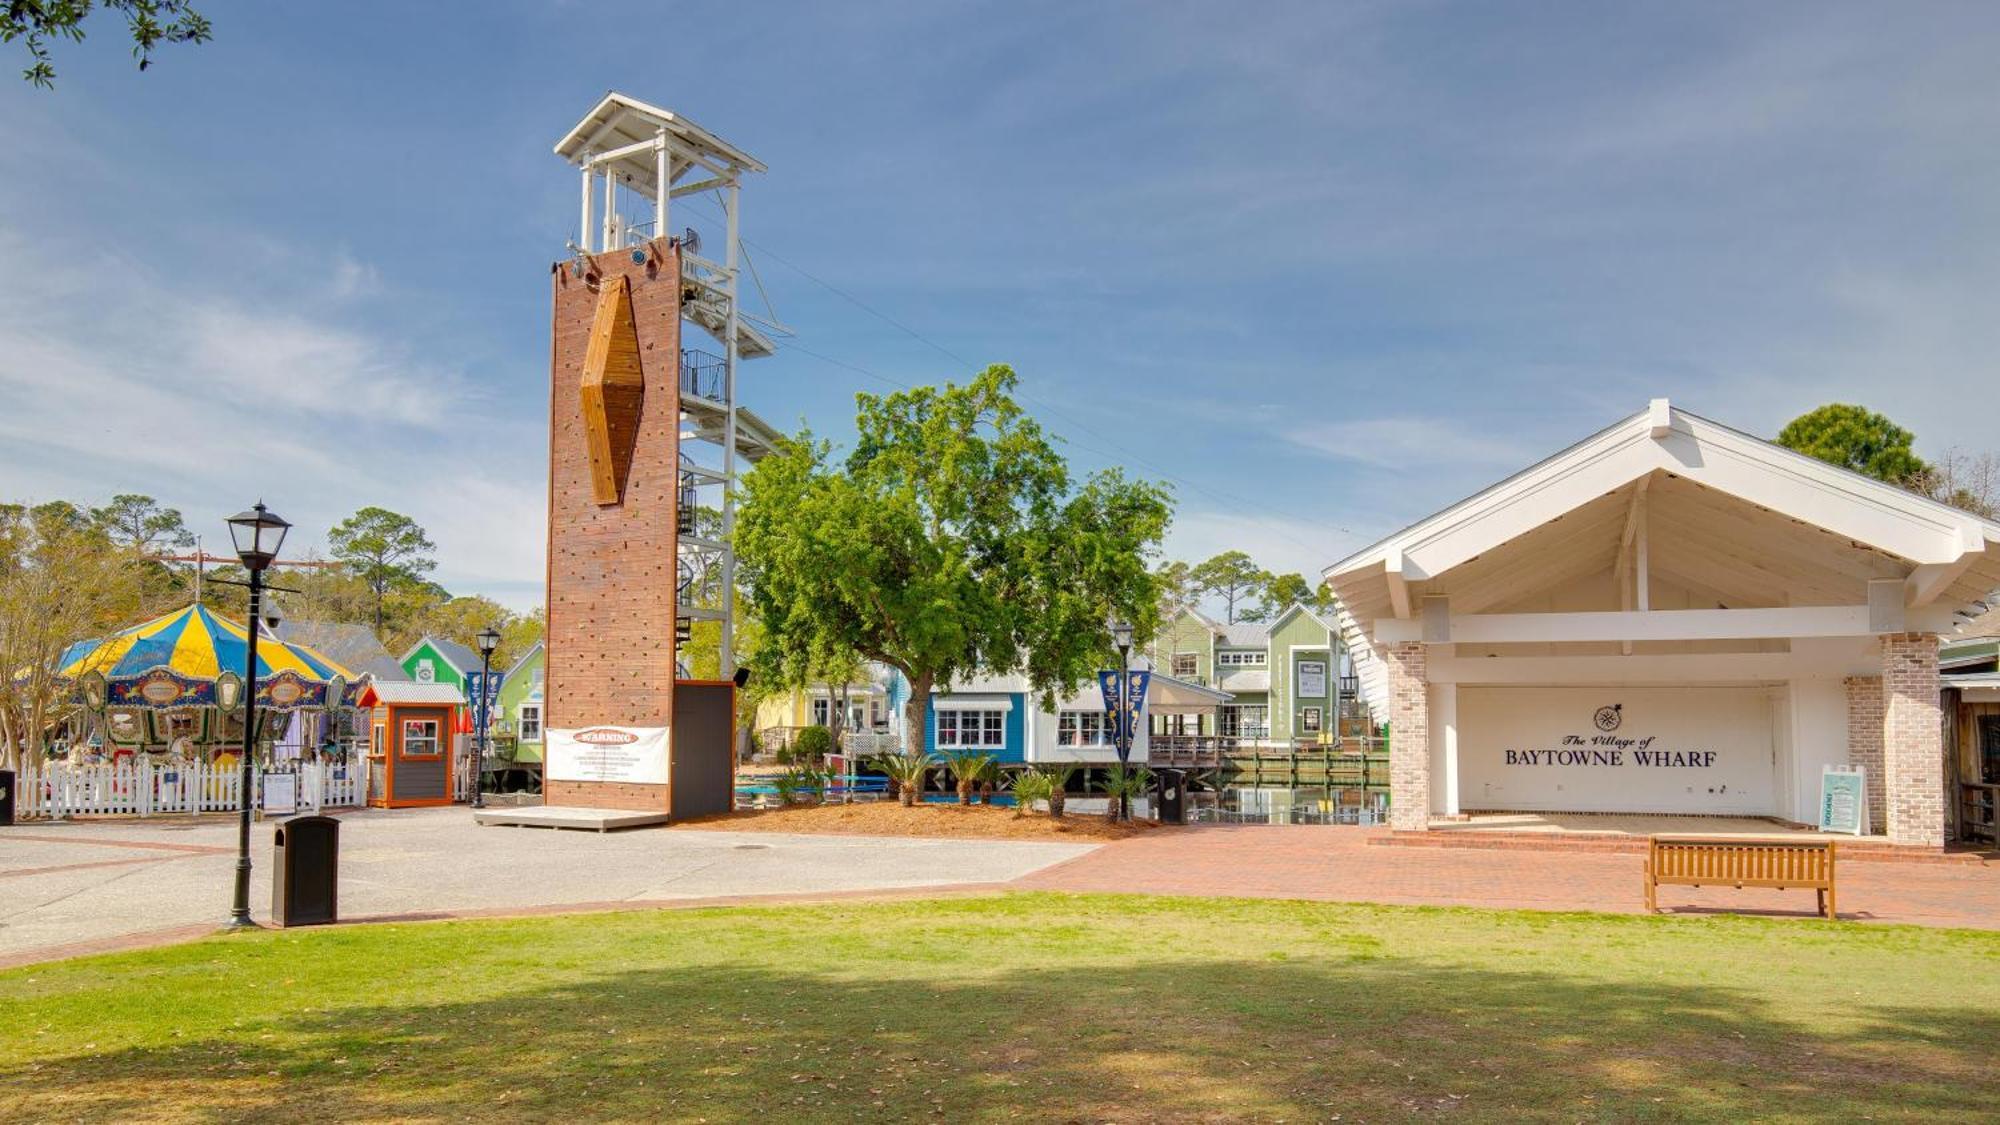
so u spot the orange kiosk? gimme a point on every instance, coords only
(411, 741)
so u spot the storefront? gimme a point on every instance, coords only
(1669, 617)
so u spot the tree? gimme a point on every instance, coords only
(1280, 593)
(1178, 594)
(1856, 438)
(1231, 576)
(62, 580)
(1965, 480)
(152, 22)
(385, 549)
(951, 540)
(140, 523)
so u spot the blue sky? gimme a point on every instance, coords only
(1328, 266)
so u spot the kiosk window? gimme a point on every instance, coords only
(420, 738)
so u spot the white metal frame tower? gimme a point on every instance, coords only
(639, 156)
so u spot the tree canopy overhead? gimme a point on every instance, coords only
(151, 22)
(1857, 438)
(952, 540)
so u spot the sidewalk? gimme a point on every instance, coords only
(1339, 865)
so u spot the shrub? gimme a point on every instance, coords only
(1030, 786)
(907, 771)
(812, 745)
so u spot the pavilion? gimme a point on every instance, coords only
(1668, 617)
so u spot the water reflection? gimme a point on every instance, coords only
(1267, 805)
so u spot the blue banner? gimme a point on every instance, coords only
(1136, 684)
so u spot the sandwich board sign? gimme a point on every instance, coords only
(1843, 800)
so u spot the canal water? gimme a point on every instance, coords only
(1233, 804)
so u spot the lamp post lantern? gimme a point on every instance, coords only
(489, 639)
(1121, 635)
(257, 534)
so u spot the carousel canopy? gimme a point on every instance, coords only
(190, 648)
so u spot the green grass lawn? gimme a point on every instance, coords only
(1086, 1008)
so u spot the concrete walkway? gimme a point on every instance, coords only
(1340, 865)
(79, 886)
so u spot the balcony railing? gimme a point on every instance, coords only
(704, 375)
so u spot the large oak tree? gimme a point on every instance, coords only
(952, 540)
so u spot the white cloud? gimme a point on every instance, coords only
(116, 379)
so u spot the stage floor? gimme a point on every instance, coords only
(565, 816)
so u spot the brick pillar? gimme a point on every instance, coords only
(1912, 739)
(1864, 743)
(1409, 738)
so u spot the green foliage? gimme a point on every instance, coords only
(386, 549)
(800, 783)
(907, 771)
(1030, 786)
(812, 744)
(152, 22)
(950, 541)
(1122, 784)
(1856, 438)
(970, 767)
(1232, 576)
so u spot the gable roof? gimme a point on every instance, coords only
(1948, 557)
(353, 646)
(461, 658)
(522, 662)
(1298, 608)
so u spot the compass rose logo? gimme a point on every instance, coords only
(1608, 718)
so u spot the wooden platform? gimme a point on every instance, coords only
(565, 816)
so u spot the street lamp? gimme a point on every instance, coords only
(257, 535)
(1121, 635)
(489, 639)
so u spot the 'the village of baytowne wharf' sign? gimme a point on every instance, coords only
(1694, 750)
(630, 754)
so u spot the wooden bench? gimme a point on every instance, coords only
(1705, 861)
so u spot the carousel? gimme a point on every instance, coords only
(173, 686)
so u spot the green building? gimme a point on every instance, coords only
(517, 714)
(435, 660)
(1284, 675)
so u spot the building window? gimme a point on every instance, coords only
(531, 722)
(1248, 658)
(1309, 720)
(983, 730)
(1245, 721)
(822, 712)
(1185, 665)
(1081, 728)
(420, 738)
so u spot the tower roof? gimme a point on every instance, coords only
(621, 121)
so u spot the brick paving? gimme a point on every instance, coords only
(1340, 865)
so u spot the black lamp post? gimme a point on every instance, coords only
(257, 534)
(489, 639)
(1121, 635)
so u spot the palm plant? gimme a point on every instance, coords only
(1122, 783)
(908, 772)
(1029, 786)
(1059, 778)
(968, 767)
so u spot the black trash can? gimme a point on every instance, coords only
(305, 872)
(6, 797)
(1170, 796)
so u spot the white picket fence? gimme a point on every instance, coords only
(147, 788)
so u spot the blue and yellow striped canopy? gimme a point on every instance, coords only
(196, 646)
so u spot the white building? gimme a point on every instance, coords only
(1670, 616)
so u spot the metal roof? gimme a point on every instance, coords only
(1245, 634)
(620, 120)
(410, 691)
